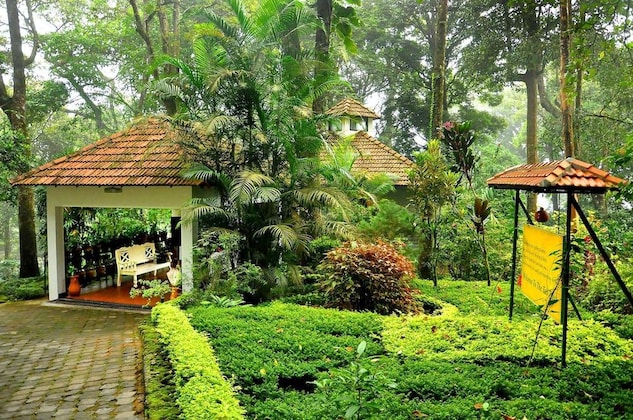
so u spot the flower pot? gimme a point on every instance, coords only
(174, 292)
(541, 215)
(74, 288)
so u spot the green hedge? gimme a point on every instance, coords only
(202, 391)
(451, 366)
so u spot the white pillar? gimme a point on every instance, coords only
(56, 258)
(189, 234)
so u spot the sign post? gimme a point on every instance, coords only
(541, 269)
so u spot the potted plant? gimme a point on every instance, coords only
(174, 275)
(150, 289)
(74, 287)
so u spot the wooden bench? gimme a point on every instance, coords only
(137, 259)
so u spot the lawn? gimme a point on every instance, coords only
(467, 361)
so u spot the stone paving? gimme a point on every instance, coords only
(68, 362)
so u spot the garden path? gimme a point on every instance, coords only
(69, 362)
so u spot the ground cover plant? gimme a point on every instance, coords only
(466, 362)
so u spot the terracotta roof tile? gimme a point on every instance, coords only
(147, 153)
(378, 158)
(351, 108)
(563, 175)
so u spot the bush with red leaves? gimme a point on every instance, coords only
(368, 277)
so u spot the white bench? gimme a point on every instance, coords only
(137, 259)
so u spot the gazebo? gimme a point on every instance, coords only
(138, 167)
(570, 177)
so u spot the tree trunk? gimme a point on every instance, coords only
(322, 48)
(439, 66)
(15, 108)
(565, 103)
(531, 84)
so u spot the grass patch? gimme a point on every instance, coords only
(477, 298)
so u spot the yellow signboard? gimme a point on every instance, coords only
(540, 268)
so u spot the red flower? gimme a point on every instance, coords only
(499, 289)
(519, 280)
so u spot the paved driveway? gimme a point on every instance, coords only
(69, 362)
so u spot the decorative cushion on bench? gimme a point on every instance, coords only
(137, 259)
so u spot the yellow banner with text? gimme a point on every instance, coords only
(540, 269)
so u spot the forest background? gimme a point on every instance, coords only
(75, 71)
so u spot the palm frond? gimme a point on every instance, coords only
(249, 187)
(284, 235)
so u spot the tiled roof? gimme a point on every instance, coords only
(562, 175)
(351, 108)
(377, 158)
(147, 153)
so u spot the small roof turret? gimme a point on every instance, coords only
(351, 108)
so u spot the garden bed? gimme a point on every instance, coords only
(295, 362)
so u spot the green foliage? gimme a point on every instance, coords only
(157, 372)
(478, 372)
(202, 391)
(308, 299)
(321, 246)
(221, 302)
(356, 388)
(621, 324)
(388, 221)
(368, 277)
(13, 160)
(283, 349)
(476, 298)
(467, 338)
(433, 189)
(9, 269)
(23, 289)
(150, 289)
(602, 292)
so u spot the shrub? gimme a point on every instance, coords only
(321, 246)
(368, 277)
(602, 292)
(23, 289)
(202, 391)
(9, 269)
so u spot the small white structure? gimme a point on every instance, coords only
(350, 118)
(138, 167)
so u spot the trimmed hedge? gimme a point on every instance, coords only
(449, 366)
(202, 391)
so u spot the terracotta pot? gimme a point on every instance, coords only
(541, 215)
(174, 292)
(101, 271)
(74, 288)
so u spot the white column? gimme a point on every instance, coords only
(189, 234)
(56, 263)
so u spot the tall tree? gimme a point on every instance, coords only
(439, 67)
(13, 104)
(565, 102)
(336, 17)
